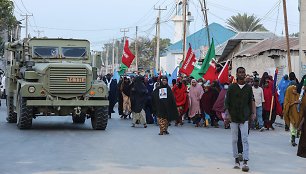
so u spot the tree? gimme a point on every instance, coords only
(240, 23)
(7, 20)
(146, 50)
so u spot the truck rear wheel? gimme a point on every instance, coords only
(100, 118)
(25, 114)
(79, 119)
(11, 115)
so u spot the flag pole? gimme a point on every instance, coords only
(271, 108)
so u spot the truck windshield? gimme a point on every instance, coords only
(46, 52)
(74, 52)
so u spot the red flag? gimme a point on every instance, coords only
(188, 64)
(211, 73)
(127, 56)
(223, 76)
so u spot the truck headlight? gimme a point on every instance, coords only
(101, 90)
(31, 89)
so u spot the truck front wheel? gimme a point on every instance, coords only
(24, 114)
(100, 118)
(11, 115)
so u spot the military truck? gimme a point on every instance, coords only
(53, 77)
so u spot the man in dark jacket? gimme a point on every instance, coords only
(164, 105)
(240, 107)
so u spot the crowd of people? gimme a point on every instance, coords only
(244, 103)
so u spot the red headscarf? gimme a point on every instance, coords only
(180, 94)
(268, 99)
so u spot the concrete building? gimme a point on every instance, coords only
(240, 42)
(302, 38)
(268, 55)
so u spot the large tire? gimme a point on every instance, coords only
(11, 115)
(100, 118)
(79, 119)
(25, 114)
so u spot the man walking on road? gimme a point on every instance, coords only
(239, 105)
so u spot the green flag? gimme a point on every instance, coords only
(122, 69)
(199, 71)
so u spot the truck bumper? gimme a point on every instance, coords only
(74, 103)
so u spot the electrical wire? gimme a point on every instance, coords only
(24, 6)
(16, 5)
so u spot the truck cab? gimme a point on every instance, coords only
(53, 77)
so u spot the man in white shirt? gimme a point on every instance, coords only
(259, 100)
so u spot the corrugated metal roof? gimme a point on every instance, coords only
(276, 43)
(199, 38)
(233, 42)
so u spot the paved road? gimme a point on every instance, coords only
(56, 146)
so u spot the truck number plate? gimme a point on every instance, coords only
(76, 79)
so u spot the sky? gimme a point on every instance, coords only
(100, 21)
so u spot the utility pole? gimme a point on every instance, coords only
(136, 49)
(38, 32)
(113, 56)
(106, 60)
(157, 59)
(117, 54)
(124, 31)
(27, 20)
(184, 28)
(204, 11)
(287, 36)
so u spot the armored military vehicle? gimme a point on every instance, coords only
(53, 77)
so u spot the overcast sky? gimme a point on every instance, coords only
(101, 20)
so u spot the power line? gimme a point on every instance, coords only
(24, 6)
(16, 5)
(148, 13)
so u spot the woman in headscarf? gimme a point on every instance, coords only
(195, 94)
(282, 86)
(148, 108)
(291, 114)
(300, 86)
(126, 91)
(138, 96)
(120, 98)
(263, 79)
(302, 128)
(276, 108)
(207, 102)
(219, 105)
(164, 106)
(180, 93)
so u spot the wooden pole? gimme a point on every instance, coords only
(287, 36)
(184, 28)
(206, 23)
(271, 108)
(113, 57)
(136, 49)
(157, 59)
